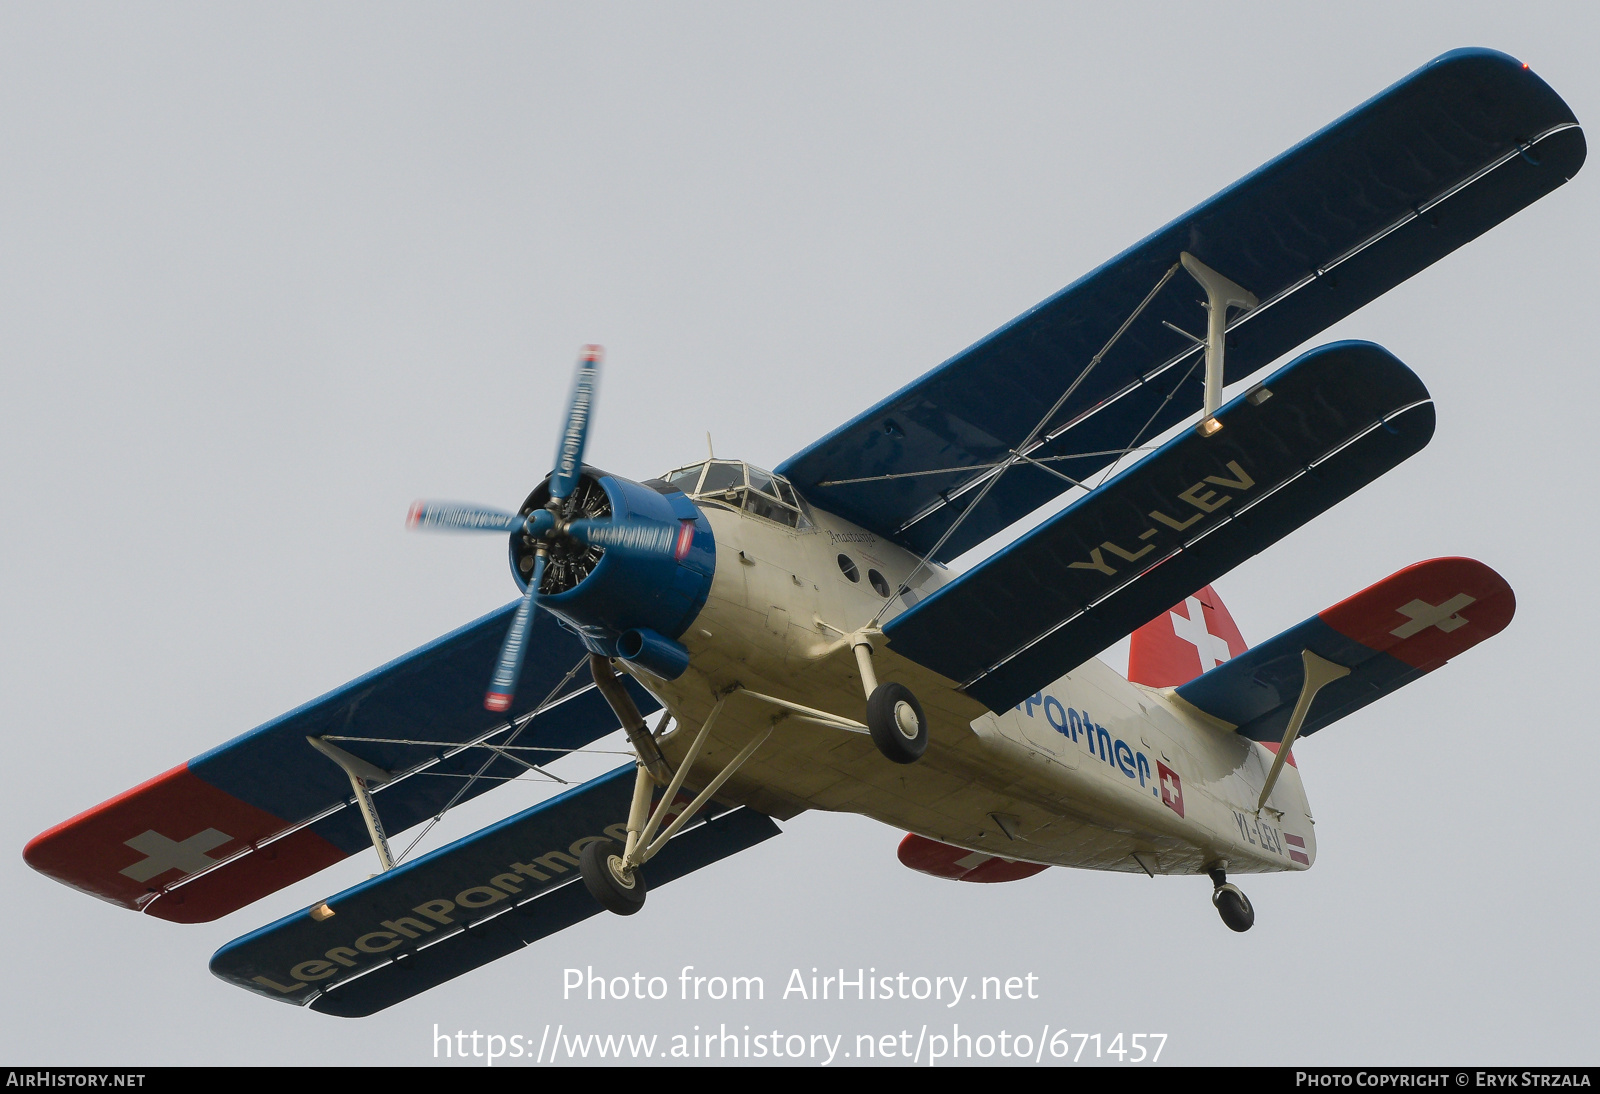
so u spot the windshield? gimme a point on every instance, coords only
(722, 476)
(688, 479)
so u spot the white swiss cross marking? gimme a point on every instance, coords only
(165, 854)
(1424, 615)
(1212, 649)
(1171, 787)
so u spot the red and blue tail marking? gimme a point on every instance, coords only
(1403, 627)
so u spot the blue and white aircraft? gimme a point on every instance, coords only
(808, 648)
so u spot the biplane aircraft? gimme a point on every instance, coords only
(808, 647)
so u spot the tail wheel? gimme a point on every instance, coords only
(617, 888)
(1234, 907)
(897, 724)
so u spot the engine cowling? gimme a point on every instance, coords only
(640, 579)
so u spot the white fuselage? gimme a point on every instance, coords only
(1092, 772)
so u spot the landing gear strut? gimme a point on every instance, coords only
(894, 717)
(1231, 904)
(612, 873)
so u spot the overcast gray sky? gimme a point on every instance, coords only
(269, 272)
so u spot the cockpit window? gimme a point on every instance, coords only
(687, 480)
(760, 493)
(721, 476)
(762, 481)
(763, 506)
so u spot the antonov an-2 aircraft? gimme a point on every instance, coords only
(809, 649)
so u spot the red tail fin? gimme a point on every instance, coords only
(1180, 644)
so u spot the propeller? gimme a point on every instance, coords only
(450, 516)
(547, 525)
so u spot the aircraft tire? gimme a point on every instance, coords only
(897, 724)
(600, 866)
(1234, 907)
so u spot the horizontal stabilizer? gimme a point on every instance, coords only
(1403, 627)
(464, 905)
(1396, 184)
(928, 856)
(267, 808)
(1311, 434)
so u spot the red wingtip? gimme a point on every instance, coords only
(592, 352)
(496, 702)
(959, 864)
(415, 515)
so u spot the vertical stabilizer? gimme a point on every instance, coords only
(1186, 640)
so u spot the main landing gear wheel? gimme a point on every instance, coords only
(898, 726)
(1231, 904)
(618, 890)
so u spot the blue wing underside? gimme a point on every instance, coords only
(1332, 420)
(420, 715)
(1407, 177)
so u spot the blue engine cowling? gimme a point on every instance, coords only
(641, 581)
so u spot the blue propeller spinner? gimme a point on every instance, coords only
(623, 565)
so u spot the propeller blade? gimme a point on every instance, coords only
(503, 686)
(634, 535)
(451, 516)
(569, 453)
(590, 533)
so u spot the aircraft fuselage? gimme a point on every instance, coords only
(1092, 772)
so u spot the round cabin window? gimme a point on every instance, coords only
(848, 568)
(878, 583)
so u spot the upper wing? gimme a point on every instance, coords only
(1388, 634)
(266, 809)
(1344, 216)
(1311, 434)
(464, 905)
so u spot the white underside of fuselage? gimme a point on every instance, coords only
(1092, 772)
